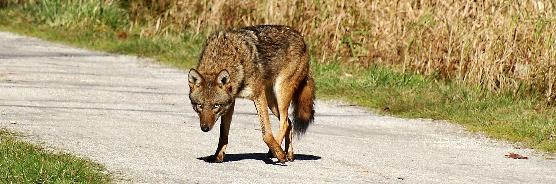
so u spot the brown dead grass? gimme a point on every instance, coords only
(499, 45)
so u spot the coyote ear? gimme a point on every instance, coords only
(194, 78)
(223, 77)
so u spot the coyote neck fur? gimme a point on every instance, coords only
(236, 45)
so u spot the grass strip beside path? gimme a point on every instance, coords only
(22, 162)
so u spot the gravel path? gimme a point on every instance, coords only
(134, 117)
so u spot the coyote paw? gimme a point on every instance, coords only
(281, 156)
(290, 157)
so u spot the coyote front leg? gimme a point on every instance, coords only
(262, 110)
(224, 130)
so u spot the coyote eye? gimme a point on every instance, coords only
(216, 106)
(197, 107)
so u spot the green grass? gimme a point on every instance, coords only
(526, 120)
(522, 118)
(95, 31)
(21, 162)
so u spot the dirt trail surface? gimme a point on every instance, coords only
(134, 117)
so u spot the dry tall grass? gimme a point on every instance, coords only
(500, 45)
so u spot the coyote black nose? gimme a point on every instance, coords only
(205, 129)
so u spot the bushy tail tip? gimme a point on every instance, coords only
(303, 106)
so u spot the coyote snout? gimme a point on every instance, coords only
(207, 122)
(266, 64)
(207, 118)
(209, 115)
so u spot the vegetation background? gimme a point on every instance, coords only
(498, 44)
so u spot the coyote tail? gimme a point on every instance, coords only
(303, 106)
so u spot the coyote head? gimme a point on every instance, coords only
(210, 96)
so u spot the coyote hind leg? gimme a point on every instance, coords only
(262, 111)
(284, 91)
(288, 142)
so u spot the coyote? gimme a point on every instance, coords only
(267, 64)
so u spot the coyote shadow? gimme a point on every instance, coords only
(257, 156)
